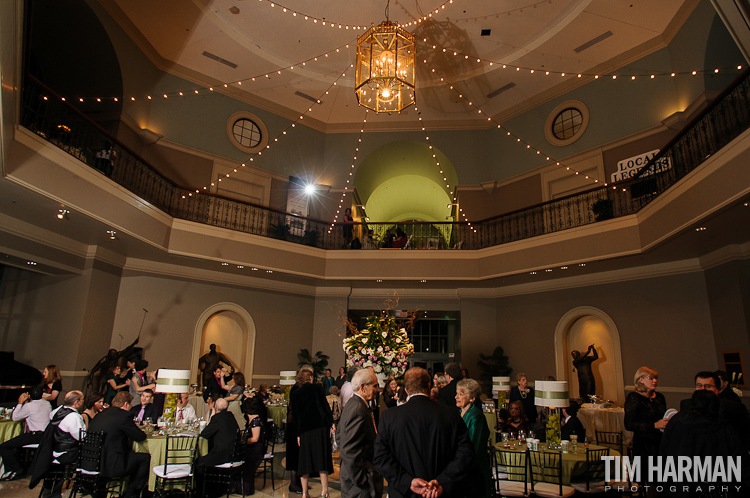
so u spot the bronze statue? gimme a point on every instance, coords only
(208, 363)
(96, 379)
(586, 381)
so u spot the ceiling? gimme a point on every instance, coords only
(270, 56)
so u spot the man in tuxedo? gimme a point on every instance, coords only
(422, 449)
(359, 477)
(730, 412)
(146, 410)
(118, 457)
(571, 423)
(447, 394)
(220, 433)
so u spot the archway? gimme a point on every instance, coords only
(232, 329)
(576, 330)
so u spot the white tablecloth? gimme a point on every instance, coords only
(604, 419)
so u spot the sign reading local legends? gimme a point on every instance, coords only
(627, 168)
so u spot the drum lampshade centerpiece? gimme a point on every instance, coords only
(500, 386)
(552, 394)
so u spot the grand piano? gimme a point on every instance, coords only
(15, 378)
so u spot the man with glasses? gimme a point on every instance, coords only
(359, 477)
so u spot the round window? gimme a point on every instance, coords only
(247, 132)
(566, 123)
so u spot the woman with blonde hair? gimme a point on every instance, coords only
(479, 475)
(644, 413)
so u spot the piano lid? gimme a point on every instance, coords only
(14, 374)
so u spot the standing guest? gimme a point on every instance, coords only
(118, 457)
(725, 391)
(263, 392)
(35, 411)
(93, 403)
(341, 378)
(359, 477)
(213, 384)
(478, 478)
(375, 401)
(571, 424)
(464, 373)
(422, 448)
(238, 388)
(185, 412)
(313, 420)
(51, 385)
(439, 382)
(346, 389)
(335, 404)
(447, 394)
(517, 420)
(292, 441)
(140, 381)
(525, 394)
(130, 371)
(328, 382)
(644, 413)
(145, 412)
(390, 396)
(347, 227)
(114, 383)
(254, 440)
(59, 444)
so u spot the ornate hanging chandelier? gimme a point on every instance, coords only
(385, 68)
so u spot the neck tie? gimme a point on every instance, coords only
(373, 422)
(139, 418)
(179, 414)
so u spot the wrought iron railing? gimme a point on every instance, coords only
(48, 115)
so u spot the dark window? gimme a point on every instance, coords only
(567, 123)
(246, 133)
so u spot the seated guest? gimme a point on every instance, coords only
(517, 420)
(725, 391)
(401, 239)
(115, 383)
(211, 406)
(59, 444)
(220, 432)
(93, 403)
(571, 424)
(118, 457)
(237, 389)
(146, 410)
(140, 381)
(184, 413)
(263, 392)
(388, 240)
(35, 411)
(525, 394)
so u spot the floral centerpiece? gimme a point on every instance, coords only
(381, 345)
(553, 428)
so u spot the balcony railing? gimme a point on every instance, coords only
(47, 114)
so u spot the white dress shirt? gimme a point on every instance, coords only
(185, 414)
(72, 424)
(36, 413)
(347, 391)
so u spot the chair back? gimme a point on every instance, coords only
(510, 465)
(180, 451)
(90, 450)
(546, 466)
(238, 454)
(270, 440)
(613, 440)
(595, 466)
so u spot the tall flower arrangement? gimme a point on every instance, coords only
(381, 345)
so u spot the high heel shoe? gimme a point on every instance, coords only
(324, 495)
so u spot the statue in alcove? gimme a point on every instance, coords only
(582, 363)
(209, 362)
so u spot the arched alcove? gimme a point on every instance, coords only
(576, 330)
(232, 329)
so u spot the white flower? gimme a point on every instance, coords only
(368, 363)
(364, 340)
(380, 349)
(398, 339)
(403, 331)
(385, 334)
(378, 368)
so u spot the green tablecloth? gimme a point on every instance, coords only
(492, 424)
(156, 446)
(10, 429)
(278, 414)
(573, 463)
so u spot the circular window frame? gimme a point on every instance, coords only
(574, 104)
(258, 122)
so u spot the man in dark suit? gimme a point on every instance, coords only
(220, 433)
(359, 477)
(118, 457)
(447, 394)
(147, 409)
(730, 412)
(422, 448)
(571, 423)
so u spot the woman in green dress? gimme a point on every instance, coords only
(478, 481)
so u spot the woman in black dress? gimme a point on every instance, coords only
(644, 414)
(254, 440)
(313, 419)
(525, 394)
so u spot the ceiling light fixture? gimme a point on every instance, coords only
(112, 234)
(62, 213)
(385, 76)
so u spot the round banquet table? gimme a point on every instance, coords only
(278, 414)
(10, 429)
(573, 462)
(492, 424)
(606, 420)
(156, 446)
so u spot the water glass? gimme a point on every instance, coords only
(574, 442)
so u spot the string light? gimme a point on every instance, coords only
(351, 172)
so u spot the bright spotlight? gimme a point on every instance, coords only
(310, 189)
